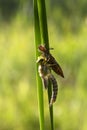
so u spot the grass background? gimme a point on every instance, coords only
(18, 97)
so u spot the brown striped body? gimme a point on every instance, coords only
(46, 76)
(54, 89)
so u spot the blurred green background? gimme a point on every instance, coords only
(67, 25)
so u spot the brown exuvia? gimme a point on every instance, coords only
(51, 61)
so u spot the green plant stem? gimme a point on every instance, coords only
(45, 41)
(43, 22)
(39, 83)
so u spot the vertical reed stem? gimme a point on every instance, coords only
(39, 83)
(45, 40)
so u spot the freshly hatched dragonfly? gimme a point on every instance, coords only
(47, 63)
